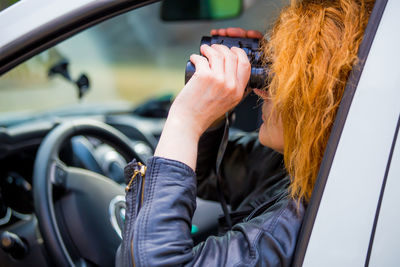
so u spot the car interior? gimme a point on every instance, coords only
(88, 105)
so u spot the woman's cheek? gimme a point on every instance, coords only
(271, 130)
(263, 135)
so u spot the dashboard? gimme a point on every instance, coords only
(20, 140)
(19, 145)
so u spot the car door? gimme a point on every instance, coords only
(385, 237)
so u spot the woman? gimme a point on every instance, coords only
(311, 49)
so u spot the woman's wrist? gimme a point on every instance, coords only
(179, 141)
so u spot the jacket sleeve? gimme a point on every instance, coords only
(161, 234)
(245, 163)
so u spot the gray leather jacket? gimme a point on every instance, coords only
(160, 206)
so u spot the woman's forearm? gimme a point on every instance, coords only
(179, 142)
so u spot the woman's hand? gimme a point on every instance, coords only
(216, 87)
(234, 32)
(237, 32)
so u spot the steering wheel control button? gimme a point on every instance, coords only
(60, 176)
(13, 245)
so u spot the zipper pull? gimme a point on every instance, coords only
(143, 169)
(128, 186)
(142, 172)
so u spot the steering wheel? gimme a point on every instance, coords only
(82, 225)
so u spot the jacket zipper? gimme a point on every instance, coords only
(139, 202)
(132, 256)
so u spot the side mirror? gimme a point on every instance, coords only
(174, 10)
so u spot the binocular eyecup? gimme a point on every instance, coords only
(259, 73)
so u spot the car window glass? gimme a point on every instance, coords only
(128, 59)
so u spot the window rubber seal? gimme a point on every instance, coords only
(378, 208)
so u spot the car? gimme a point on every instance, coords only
(85, 87)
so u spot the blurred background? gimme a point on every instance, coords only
(129, 59)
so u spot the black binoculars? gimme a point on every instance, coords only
(259, 73)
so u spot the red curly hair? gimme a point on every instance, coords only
(311, 51)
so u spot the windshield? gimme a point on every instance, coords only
(127, 60)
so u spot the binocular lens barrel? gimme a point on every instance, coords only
(259, 74)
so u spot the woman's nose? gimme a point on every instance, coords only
(261, 93)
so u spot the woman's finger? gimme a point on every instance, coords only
(222, 32)
(215, 59)
(230, 61)
(236, 32)
(243, 67)
(254, 34)
(201, 64)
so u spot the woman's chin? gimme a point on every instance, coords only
(262, 135)
(268, 139)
